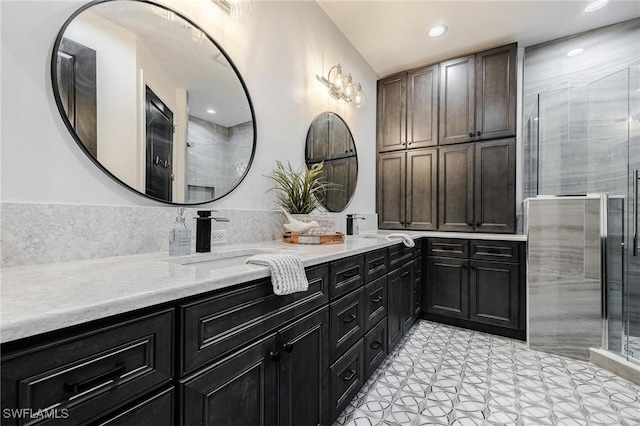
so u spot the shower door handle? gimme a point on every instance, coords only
(636, 177)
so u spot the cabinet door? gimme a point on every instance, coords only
(455, 189)
(447, 289)
(340, 141)
(240, 390)
(338, 171)
(391, 132)
(495, 186)
(391, 190)
(457, 104)
(394, 308)
(407, 303)
(304, 371)
(496, 93)
(422, 107)
(422, 189)
(493, 293)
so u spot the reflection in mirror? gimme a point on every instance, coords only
(329, 140)
(153, 101)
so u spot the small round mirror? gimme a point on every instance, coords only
(329, 140)
(153, 101)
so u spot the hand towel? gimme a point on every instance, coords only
(406, 239)
(287, 272)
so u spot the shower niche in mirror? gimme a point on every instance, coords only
(153, 101)
(329, 140)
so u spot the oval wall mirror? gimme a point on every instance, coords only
(329, 140)
(153, 101)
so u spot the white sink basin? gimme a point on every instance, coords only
(223, 258)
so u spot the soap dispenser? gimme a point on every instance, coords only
(180, 236)
(352, 224)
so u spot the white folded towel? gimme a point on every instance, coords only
(406, 239)
(287, 272)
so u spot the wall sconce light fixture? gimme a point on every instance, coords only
(237, 9)
(343, 87)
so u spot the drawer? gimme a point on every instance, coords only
(347, 322)
(502, 251)
(418, 267)
(159, 410)
(93, 373)
(375, 302)
(375, 347)
(399, 255)
(229, 319)
(346, 275)
(448, 247)
(375, 265)
(347, 377)
(417, 250)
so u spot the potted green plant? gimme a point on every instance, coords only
(299, 192)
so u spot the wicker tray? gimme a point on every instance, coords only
(293, 238)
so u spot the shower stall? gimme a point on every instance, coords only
(581, 135)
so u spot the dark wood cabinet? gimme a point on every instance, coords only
(347, 322)
(343, 170)
(303, 383)
(158, 410)
(478, 96)
(422, 107)
(457, 103)
(241, 389)
(347, 377)
(391, 131)
(455, 194)
(493, 293)
(400, 283)
(477, 284)
(496, 93)
(477, 187)
(495, 186)
(391, 190)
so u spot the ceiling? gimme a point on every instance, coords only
(390, 34)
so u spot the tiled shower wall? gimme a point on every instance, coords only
(49, 233)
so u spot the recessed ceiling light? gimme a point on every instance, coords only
(575, 52)
(595, 5)
(437, 30)
(211, 111)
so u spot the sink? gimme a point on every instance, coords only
(224, 258)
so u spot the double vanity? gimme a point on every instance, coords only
(202, 339)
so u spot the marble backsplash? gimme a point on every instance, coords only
(51, 233)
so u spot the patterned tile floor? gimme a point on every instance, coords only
(442, 375)
(633, 346)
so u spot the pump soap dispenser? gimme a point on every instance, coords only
(180, 236)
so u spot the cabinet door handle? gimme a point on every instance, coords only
(288, 347)
(350, 318)
(103, 378)
(405, 274)
(352, 374)
(464, 266)
(478, 133)
(470, 135)
(473, 267)
(375, 345)
(377, 299)
(275, 356)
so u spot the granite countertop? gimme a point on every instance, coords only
(41, 298)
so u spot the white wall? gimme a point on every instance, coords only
(278, 50)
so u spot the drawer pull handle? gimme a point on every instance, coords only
(288, 347)
(349, 319)
(351, 375)
(275, 356)
(375, 345)
(493, 251)
(377, 299)
(103, 378)
(350, 274)
(405, 274)
(377, 264)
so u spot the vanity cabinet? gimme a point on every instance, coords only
(408, 110)
(477, 187)
(478, 96)
(158, 410)
(478, 284)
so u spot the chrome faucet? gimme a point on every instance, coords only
(203, 229)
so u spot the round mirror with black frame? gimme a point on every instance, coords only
(154, 101)
(330, 141)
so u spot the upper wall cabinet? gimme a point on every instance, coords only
(408, 110)
(478, 96)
